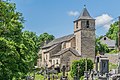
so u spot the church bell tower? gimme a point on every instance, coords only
(84, 31)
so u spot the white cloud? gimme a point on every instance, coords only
(73, 13)
(104, 20)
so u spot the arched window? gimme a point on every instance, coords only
(46, 56)
(104, 38)
(53, 62)
(57, 61)
(76, 24)
(87, 24)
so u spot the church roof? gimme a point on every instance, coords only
(109, 42)
(52, 47)
(65, 50)
(85, 14)
(59, 40)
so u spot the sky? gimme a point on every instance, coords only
(56, 16)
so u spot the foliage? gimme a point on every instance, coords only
(82, 64)
(100, 48)
(45, 38)
(82, 78)
(17, 49)
(30, 40)
(112, 66)
(113, 51)
(39, 77)
(113, 32)
(113, 35)
(67, 73)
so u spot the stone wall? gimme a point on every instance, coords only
(73, 43)
(88, 43)
(55, 50)
(67, 58)
(113, 58)
(78, 41)
(85, 38)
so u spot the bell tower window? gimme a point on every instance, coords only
(104, 38)
(46, 56)
(87, 24)
(76, 24)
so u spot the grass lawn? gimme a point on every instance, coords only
(112, 66)
(39, 77)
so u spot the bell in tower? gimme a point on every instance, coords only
(84, 31)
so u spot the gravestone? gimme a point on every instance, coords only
(75, 77)
(97, 62)
(48, 77)
(102, 78)
(63, 70)
(78, 73)
(29, 78)
(104, 65)
(86, 75)
(92, 74)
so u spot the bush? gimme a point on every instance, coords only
(82, 78)
(81, 62)
(112, 66)
(113, 52)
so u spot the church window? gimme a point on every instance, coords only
(53, 62)
(63, 45)
(46, 56)
(76, 24)
(104, 38)
(87, 24)
(56, 61)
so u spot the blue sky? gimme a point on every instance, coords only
(56, 16)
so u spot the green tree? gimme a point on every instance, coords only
(113, 31)
(45, 38)
(30, 40)
(100, 48)
(17, 49)
(82, 64)
(113, 35)
(32, 37)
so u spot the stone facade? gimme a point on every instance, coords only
(113, 58)
(85, 37)
(64, 50)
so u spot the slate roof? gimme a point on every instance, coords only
(59, 40)
(109, 42)
(65, 50)
(51, 47)
(85, 14)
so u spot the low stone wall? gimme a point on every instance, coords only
(113, 58)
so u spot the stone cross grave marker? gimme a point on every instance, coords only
(63, 70)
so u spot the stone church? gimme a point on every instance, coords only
(66, 49)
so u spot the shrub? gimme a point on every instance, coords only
(82, 63)
(82, 78)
